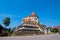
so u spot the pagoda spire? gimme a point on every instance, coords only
(33, 14)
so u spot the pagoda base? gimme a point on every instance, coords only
(29, 33)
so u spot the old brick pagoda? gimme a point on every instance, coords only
(30, 25)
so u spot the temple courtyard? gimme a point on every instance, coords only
(34, 37)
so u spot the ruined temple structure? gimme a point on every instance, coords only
(30, 25)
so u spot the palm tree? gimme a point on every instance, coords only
(6, 21)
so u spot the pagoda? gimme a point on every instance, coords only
(30, 25)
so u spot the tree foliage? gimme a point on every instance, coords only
(54, 30)
(6, 21)
(7, 31)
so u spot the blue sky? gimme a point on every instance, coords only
(47, 10)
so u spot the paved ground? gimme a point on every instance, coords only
(38, 37)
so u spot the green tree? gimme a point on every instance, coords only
(54, 30)
(6, 21)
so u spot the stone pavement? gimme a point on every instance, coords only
(35, 37)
